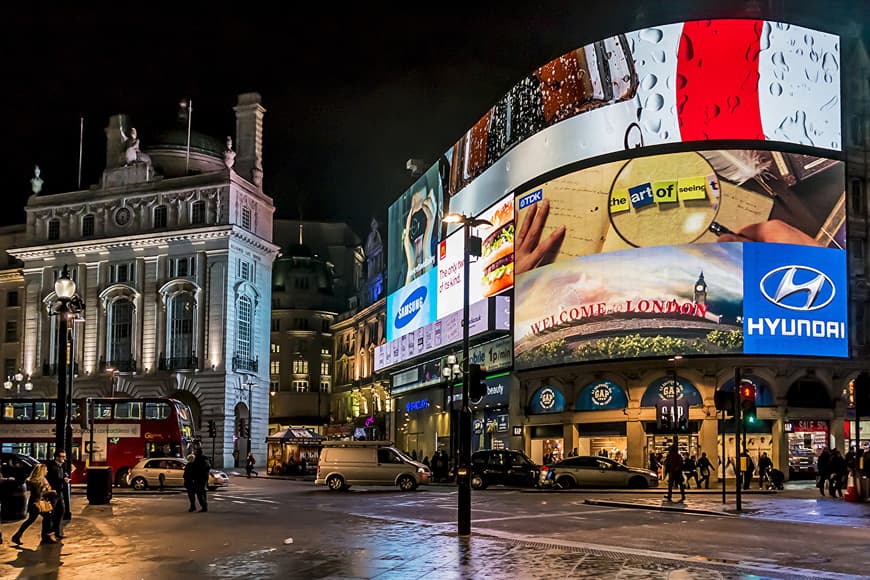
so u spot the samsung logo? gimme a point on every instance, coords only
(798, 288)
(410, 307)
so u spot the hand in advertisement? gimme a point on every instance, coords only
(531, 251)
(772, 231)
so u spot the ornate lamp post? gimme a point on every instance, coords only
(16, 380)
(463, 475)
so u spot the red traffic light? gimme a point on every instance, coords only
(747, 392)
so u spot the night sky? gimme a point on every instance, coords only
(351, 93)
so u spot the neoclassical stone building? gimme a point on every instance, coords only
(172, 257)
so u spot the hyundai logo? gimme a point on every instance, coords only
(411, 306)
(798, 288)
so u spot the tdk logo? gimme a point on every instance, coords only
(534, 197)
(798, 288)
(410, 307)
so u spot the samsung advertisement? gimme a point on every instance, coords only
(701, 250)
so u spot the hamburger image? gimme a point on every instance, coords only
(497, 254)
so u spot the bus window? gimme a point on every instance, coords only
(102, 411)
(128, 410)
(157, 411)
(18, 411)
(44, 410)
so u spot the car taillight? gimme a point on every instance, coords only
(545, 468)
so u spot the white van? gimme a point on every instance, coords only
(346, 463)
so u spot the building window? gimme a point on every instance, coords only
(276, 348)
(856, 195)
(243, 332)
(120, 345)
(300, 283)
(11, 331)
(274, 387)
(12, 298)
(10, 366)
(300, 366)
(160, 216)
(88, 226)
(300, 323)
(276, 325)
(246, 218)
(54, 229)
(181, 267)
(197, 213)
(300, 386)
(324, 387)
(180, 331)
(121, 273)
(275, 367)
(324, 368)
(246, 270)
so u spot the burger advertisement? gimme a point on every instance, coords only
(490, 273)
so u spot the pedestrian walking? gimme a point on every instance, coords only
(250, 462)
(190, 482)
(765, 465)
(58, 479)
(674, 468)
(749, 469)
(838, 473)
(40, 503)
(200, 470)
(704, 468)
(823, 469)
(690, 469)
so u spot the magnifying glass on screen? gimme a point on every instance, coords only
(665, 200)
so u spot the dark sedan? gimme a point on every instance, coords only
(594, 471)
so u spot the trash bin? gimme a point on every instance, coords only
(13, 494)
(99, 485)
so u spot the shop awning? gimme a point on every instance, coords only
(295, 436)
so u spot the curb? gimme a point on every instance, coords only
(661, 508)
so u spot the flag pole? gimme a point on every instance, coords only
(189, 119)
(81, 141)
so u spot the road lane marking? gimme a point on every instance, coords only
(547, 515)
(246, 499)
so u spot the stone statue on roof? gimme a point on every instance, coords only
(36, 181)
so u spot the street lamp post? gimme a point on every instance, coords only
(675, 419)
(463, 475)
(65, 289)
(16, 380)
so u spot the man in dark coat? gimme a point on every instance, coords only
(823, 469)
(190, 482)
(58, 479)
(201, 469)
(674, 469)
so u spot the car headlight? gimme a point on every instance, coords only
(422, 470)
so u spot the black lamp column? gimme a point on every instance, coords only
(463, 473)
(65, 289)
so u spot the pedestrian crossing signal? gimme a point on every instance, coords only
(212, 428)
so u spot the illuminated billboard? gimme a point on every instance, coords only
(695, 81)
(700, 252)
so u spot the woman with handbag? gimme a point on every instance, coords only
(41, 502)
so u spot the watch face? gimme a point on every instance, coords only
(699, 287)
(122, 216)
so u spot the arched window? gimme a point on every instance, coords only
(88, 225)
(120, 335)
(179, 336)
(160, 216)
(243, 331)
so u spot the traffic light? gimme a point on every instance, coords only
(665, 425)
(683, 424)
(747, 402)
(212, 428)
(476, 386)
(724, 401)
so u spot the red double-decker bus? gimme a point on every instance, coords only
(115, 432)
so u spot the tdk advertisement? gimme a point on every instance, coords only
(413, 305)
(794, 300)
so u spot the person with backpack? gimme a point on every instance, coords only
(250, 462)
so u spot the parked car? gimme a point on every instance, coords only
(168, 472)
(347, 463)
(802, 466)
(594, 471)
(503, 467)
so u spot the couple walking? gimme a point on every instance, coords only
(47, 486)
(196, 480)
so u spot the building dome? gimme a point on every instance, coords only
(168, 151)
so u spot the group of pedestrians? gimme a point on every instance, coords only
(47, 484)
(833, 469)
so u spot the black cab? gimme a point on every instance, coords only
(503, 467)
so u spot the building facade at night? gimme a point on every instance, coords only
(681, 213)
(172, 258)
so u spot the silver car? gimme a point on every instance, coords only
(594, 471)
(168, 472)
